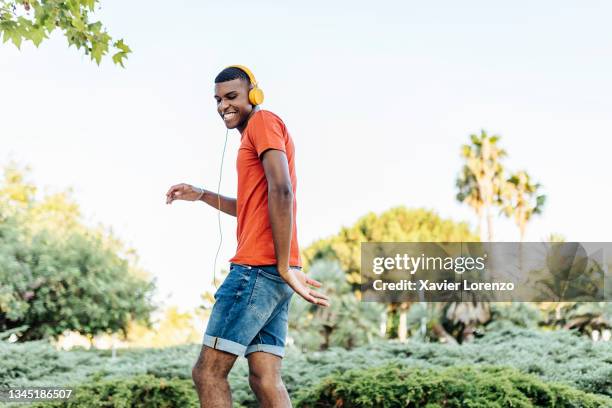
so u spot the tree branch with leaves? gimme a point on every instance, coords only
(35, 20)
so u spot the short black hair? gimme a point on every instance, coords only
(231, 73)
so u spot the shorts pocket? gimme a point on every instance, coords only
(268, 293)
(235, 282)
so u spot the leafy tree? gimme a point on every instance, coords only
(56, 274)
(590, 318)
(398, 224)
(481, 181)
(569, 272)
(395, 225)
(35, 20)
(521, 199)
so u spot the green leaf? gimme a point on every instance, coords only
(74, 7)
(122, 46)
(24, 26)
(90, 4)
(118, 58)
(50, 21)
(98, 49)
(78, 23)
(37, 36)
(95, 27)
(7, 34)
(16, 38)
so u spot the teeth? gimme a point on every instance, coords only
(229, 115)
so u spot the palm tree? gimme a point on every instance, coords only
(521, 200)
(481, 181)
(480, 184)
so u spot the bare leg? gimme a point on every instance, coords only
(210, 378)
(265, 380)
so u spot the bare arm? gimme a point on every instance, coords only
(188, 192)
(280, 204)
(280, 210)
(228, 204)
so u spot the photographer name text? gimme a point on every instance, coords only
(426, 285)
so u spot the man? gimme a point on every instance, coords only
(250, 312)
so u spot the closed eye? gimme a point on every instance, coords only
(230, 96)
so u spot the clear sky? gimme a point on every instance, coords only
(378, 96)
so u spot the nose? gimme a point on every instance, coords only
(223, 105)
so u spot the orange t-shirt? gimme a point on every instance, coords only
(264, 131)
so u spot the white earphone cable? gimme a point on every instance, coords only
(219, 210)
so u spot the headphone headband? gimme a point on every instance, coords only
(256, 96)
(246, 71)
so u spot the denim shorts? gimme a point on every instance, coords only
(250, 312)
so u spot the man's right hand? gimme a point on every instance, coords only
(183, 191)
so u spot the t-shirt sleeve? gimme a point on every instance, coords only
(267, 133)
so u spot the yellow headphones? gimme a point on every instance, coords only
(256, 95)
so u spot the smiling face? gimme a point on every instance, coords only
(233, 102)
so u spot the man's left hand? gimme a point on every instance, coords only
(299, 283)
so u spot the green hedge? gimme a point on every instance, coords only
(380, 387)
(458, 387)
(140, 391)
(560, 356)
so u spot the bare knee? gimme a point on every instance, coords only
(203, 376)
(268, 382)
(198, 375)
(211, 368)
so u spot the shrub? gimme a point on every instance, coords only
(460, 387)
(386, 386)
(559, 356)
(139, 391)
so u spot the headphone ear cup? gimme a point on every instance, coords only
(256, 96)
